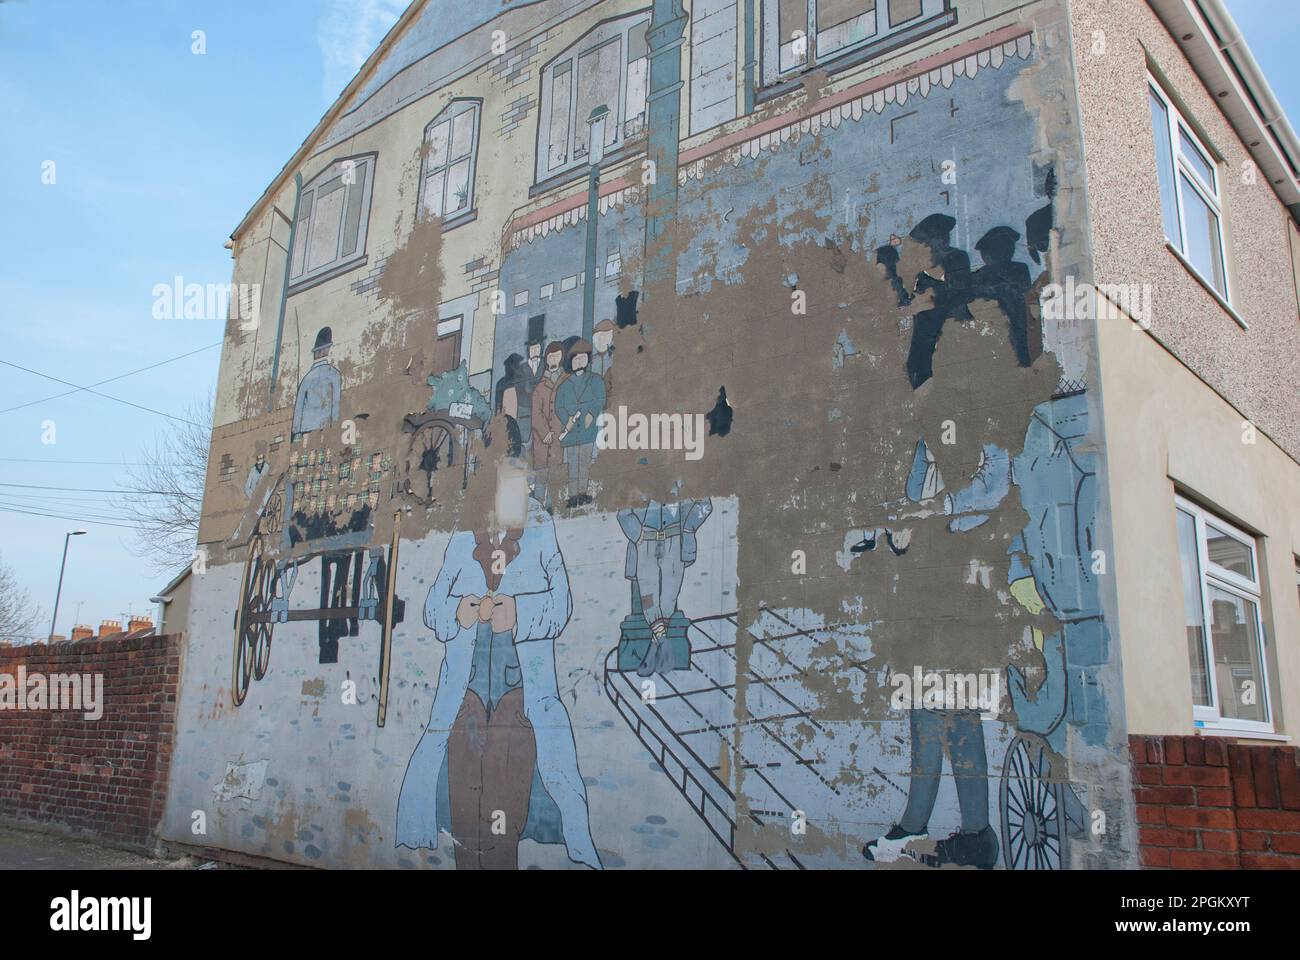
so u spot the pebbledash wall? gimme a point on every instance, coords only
(103, 777)
(835, 271)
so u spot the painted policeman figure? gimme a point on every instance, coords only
(317, 405)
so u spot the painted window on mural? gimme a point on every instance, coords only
(1190, 202)
(450, 157)
(1225, 632)
(610, 66)
(333, 213)
(798, 34)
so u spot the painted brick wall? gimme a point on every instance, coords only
(1206, 804)
(105, 777)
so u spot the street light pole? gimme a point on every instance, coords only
(596, 152)
(58, 593)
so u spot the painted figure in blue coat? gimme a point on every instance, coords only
(317, 405)
(1051, 568)
(661, 545)
(579, 402)
(958, 732)
(497, 762)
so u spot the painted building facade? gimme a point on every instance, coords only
(662, 441)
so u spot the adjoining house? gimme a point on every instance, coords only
(174, 604)
(969, 531)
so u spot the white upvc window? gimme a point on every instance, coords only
(801, 34)
(333, 217)
(450, 158)
(1221, 589)
(610, 67)
(1190, 200)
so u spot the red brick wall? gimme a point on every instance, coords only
(105, 777)
(1204, 803)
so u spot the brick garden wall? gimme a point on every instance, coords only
(1203, 803)
(106, 777)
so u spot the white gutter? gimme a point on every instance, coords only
(1234, 45)
(1206, 27)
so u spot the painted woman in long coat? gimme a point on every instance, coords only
(537, 581)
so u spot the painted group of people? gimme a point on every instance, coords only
(552, 401)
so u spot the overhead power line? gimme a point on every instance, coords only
(101, 523)
(117, 490)
(122, 376)
(106, 396)
(82, 512)
(87, 463)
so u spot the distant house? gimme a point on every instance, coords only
(174, 604)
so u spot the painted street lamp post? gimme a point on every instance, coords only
(58, 593)
(596, 152)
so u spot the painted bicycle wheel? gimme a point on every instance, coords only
(1033, 808)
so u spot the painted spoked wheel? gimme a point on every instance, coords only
(251, 653)
(273, 513)
(259, 643)
(433, 448)
(1033, 809)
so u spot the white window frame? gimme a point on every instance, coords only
(1210, 193)
(448, 115)
(931, 11)
(1210, 718)
(363, 177)
(625, 128)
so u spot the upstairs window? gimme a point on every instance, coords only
(1190, 202)
(333, 215)
(610, 66)
(802, 34)
(450, 159)
(1225, 634)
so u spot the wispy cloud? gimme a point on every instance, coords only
(348, 31)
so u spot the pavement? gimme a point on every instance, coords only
(32, 850)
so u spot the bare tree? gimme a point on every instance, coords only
(166, 497)
(19, 617)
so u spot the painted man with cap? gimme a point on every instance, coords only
(317, 405)
(602, 356)
(579, 402)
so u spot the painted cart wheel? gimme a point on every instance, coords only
(268, 581)
(252, 641)
(272, 518)
(433, 448)
(1033, 809)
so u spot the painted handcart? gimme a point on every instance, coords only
(359, 579)
(438, 440)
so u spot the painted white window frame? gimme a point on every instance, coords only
(363, 177)
(448, 115)
(1210, 718)
(1210, 193)
(625, 128)
(813, 56)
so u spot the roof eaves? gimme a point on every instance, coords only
(1221, 57)
(335, 110)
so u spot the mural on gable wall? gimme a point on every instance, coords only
(667, 618)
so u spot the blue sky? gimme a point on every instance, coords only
(158, 153)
